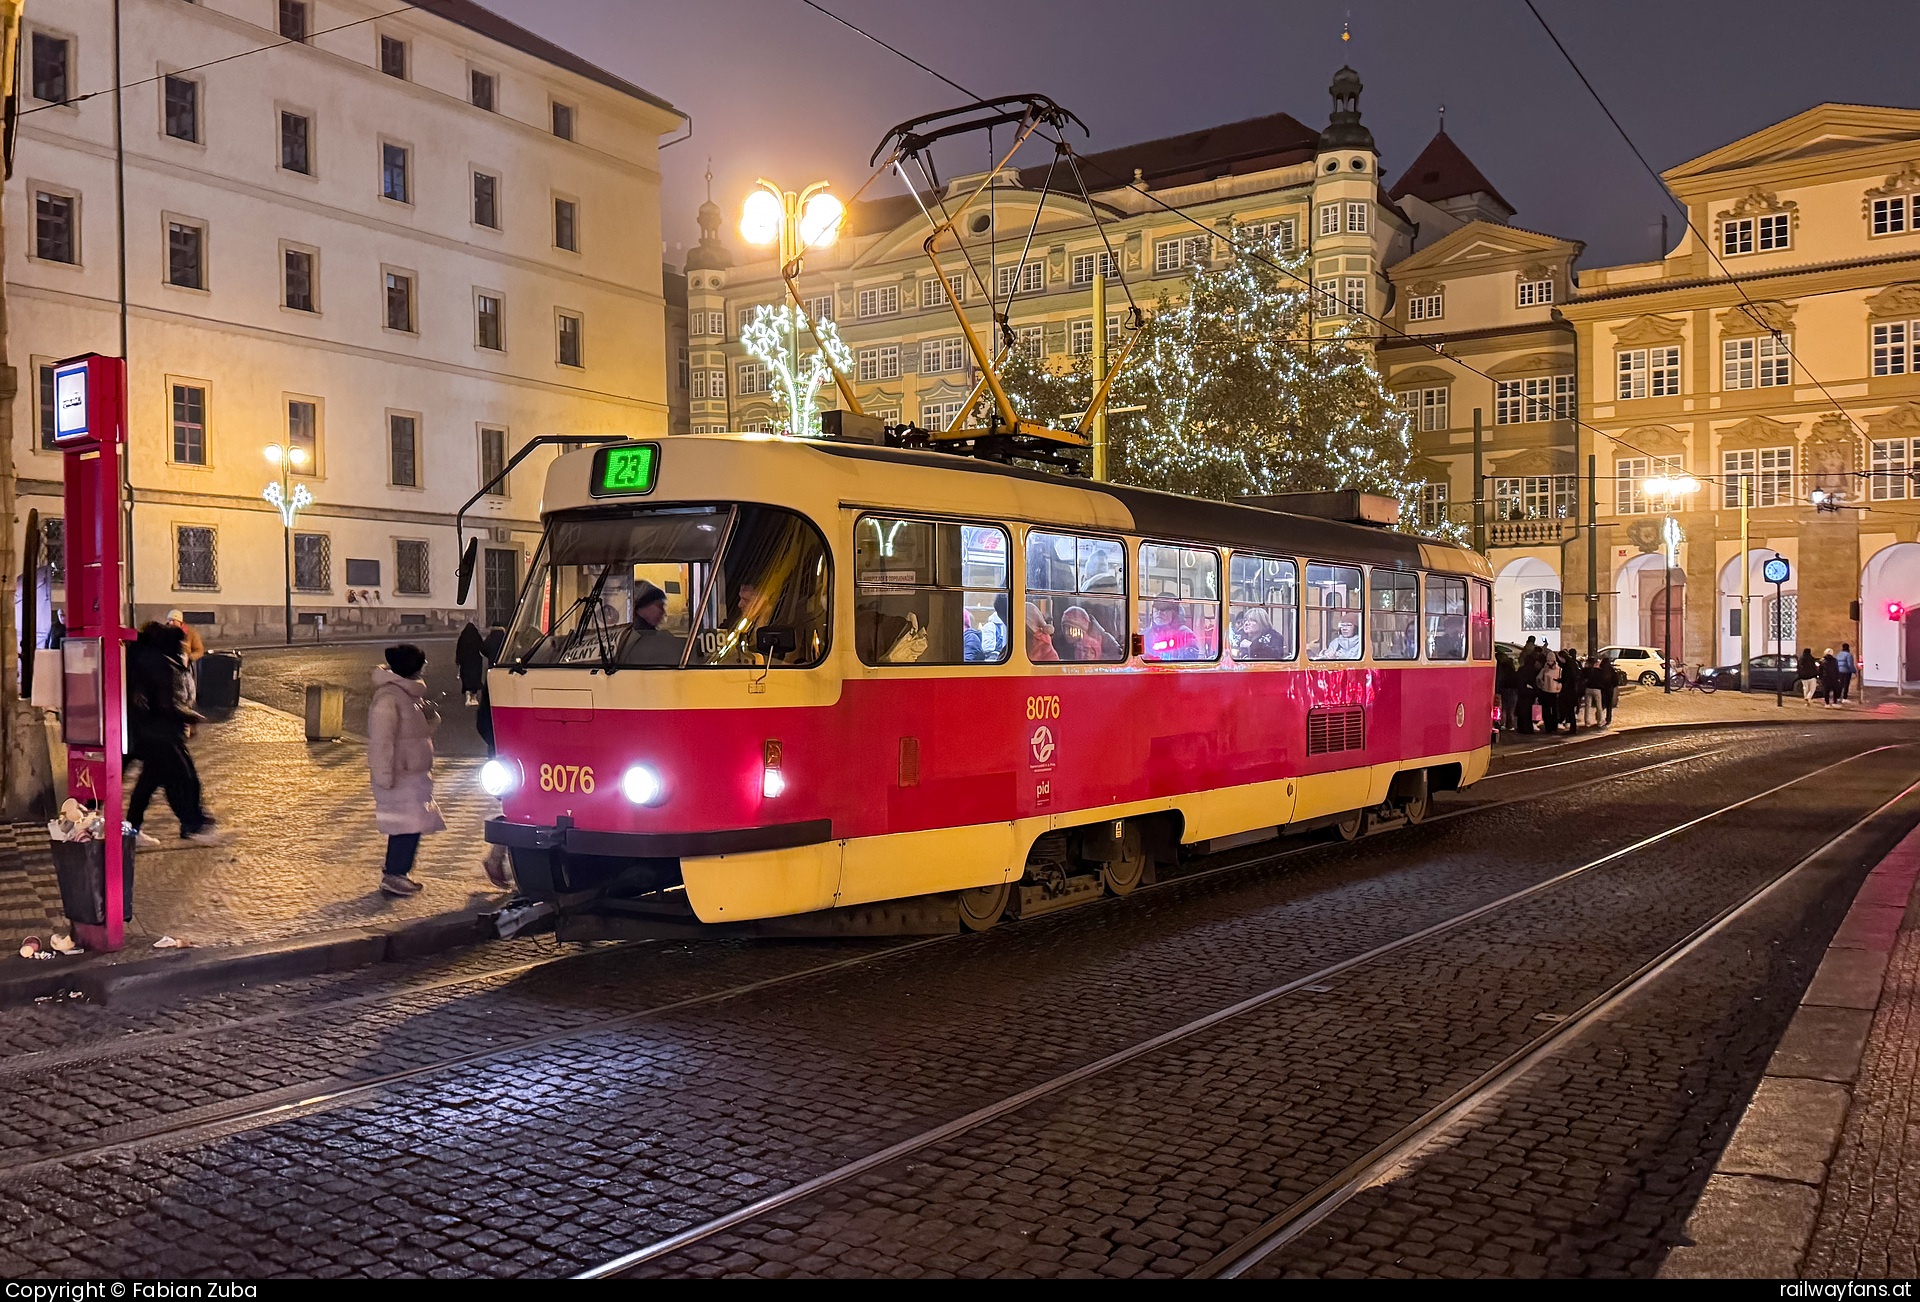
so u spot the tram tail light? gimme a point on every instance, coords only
(772, 780)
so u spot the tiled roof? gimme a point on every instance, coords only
(491, 25)
(1443, 172)
(1255, 145)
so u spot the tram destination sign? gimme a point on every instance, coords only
(624, 469)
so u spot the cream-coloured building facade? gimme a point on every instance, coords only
(1317, 189)
(407, 242)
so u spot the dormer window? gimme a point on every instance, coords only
(1535, 292)
(1424, 307)
(1890, 216)
(1748, 234)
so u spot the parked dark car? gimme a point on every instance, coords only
(1770, 673)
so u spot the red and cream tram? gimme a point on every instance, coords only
(907, 691)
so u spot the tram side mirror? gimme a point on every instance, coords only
(468, 559)
(777, 639)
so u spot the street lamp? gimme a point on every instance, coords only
(287, 497)
(797, 222)
(1668, 490)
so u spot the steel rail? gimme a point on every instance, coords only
(1014, 1102)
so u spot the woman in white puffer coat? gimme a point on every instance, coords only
(400, 725)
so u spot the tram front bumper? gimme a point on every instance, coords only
(562, 860)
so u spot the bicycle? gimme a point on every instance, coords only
(1682, 683)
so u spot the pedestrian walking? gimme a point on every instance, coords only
(470, 657)
(1548, 685)
(1592, 689)
(161, 717)
(1506, 681)
(1848, 667)
(400, 725)
(1806, 674)
(1829, 679)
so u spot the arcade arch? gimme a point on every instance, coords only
(1527, 601)
(1893, 574)
(1762, 642)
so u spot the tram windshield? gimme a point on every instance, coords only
(674, 587)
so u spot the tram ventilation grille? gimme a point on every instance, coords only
(1344, 728)
(909, 761)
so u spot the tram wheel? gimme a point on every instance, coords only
(1351, 824)
(1121, 876)
(983, 906)
(1417, 805)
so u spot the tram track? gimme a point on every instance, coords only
(1397, 1149)
(253, 1110)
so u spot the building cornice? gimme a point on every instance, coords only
(1703, 287)
(1427, 343)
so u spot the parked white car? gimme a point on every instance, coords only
(1637, 664)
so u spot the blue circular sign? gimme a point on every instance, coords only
(1777, 570)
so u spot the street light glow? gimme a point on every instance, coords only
(760, 218)
(273, 453)
(1670, 485)
(297, 456)
(820, 220)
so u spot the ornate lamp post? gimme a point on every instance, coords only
(288, 498)
(1668, 490)
(797, 222)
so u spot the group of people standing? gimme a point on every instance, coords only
(1830, 677)
(1562, 688)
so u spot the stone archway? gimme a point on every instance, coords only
(1761, 642)
(1639, 603)
(1892, 574)
(1527, 601)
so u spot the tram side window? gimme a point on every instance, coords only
(1263, 593)
(1076, 598)
(1395, 617)
(1446, 618)
(1333, 612)
(1482, 622)
(929, 593)
(1179, 602)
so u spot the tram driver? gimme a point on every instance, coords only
(644, 641)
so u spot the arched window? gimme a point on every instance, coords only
(1540, 610)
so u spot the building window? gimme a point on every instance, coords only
(819, 308)
(685, 378)
(1770, 470)
(189, 425)
(295, 144)
(403, 451)
(943, 291)
(1030, 341)
(1540, 610)
(486, 321)
(54, 228)
(1547, 397)
(1773, 233)
(1765, 362)
(1534, 497)
(1893, 462)
(393, 57)
(884, 301)
(293, 20)
(312, 562)
(1535, 292)
(716, 324)
(1426, 407)
(1889, 347)
(1280, 231)
(570, 343)
(480, 92)
(399, 301)
(1080, 336)
(1890, 215)
(303, 432)
(47, 424)
(566, 232)
(1188, 251)
(1630, 473)
(1424, 307)
(393, 173)
(1330, 219)
(410, 567)
(185, 264)
(1509, 402)
(1356, 299)
(1356, 218)
(1745, 234)
(53, 541)
(299, 280)
(1328, 296)
(1088, 265)
(879, 363)
(195, 558)
(1433, 506)
(493, 459)
(750, 378)
(50, 64)
(940, 415)
(183, 108)
(941, 355)
(1649, 372)
(1019, 278)
(563, 121)
(745, 316)
(1737, 236)
(486, 211)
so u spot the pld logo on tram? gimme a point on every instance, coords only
(1042, 745)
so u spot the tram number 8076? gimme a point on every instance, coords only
(566, 777)
(1043, 707)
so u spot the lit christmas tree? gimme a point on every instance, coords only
(794, 378)
(1240, 398)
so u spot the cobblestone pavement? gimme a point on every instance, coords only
(1869, 1226)
(304, 854)
(546, 1159)
(278, 676)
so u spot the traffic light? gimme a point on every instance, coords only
(1896, 611)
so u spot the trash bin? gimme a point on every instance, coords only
(326, 704)
(219, 690)
(81, 867)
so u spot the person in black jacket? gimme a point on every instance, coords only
(1527, 674)
(1829, 680)
(470, 656)
(1572, 687)
(161, 715)
(1506, 681)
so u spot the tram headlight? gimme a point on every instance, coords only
(496, 777)
(641, 785)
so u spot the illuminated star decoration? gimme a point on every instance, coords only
(794, 381)
(288, 509)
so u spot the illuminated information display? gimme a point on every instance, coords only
(625, 469)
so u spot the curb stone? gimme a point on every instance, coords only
(1757, 1214)
(194, 971)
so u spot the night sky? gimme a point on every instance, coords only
(777, 89)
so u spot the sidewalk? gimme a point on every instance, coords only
(1649, 707)
(1819, 1178)
(303, 860)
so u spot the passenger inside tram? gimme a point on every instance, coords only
(1258, 639)
(1083, 638)
(1343, 645)
(1167, 636)
(1040, 648)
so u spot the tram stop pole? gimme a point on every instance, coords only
(90, 402)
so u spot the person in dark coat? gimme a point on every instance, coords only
(469, 654)
(1806, 674)
(1527, 676)
(1572, 685)
(1609, 682)
(161, 716)
(1506, 681)
(1829, 679)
